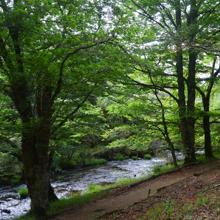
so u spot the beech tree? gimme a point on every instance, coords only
(213, 71)
(39, 44)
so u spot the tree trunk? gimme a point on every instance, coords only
(191, 84)
(186, 109)
(180, 81)
(35, 149)
(186, 139)
(189, 141)
(206, 128)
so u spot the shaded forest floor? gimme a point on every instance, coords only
(188, 193)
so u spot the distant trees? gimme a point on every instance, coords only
(213, 72)
(181, 28)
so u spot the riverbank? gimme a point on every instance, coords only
(182, 193)
(109, 181)
(99, 191)
(77, 182)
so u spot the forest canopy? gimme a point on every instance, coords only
(86, 81)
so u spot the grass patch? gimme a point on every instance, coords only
(202, 201)
(120, 157)
(169, 209)
(172, 209)
(93, 192)
(202, 159)
(161, 169)
(162, 210)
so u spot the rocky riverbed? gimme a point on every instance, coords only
(12, 206)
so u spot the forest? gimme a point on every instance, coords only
(107, 95)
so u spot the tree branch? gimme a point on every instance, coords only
(72, 113)
(68, 55)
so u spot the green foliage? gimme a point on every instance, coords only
(113, 83)
(95, 162)
(23, 192)
(135, 157)
(161, 211)
(160, 169)
(178, 209)
(10, 169)
(202, 201)
(119, 156)
(147, 156)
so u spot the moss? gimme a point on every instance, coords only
(23, 192)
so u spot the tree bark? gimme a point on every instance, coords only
(206, 128)
(35, 149)
(185, 124)
(186, 109)
(191, 84)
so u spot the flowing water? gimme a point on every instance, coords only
(11, 205)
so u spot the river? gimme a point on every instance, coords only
(12, 206)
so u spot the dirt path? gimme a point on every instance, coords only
(124, 200)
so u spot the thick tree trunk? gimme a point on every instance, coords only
(186, 109)
(186, 122)
(206, 128)
(191, 84)
(35, 149)
(187, 135)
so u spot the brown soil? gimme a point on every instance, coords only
(133, 202)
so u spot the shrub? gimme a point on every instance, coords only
(135, 157)
(95, 161)
(67, 164)
(119, 156)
